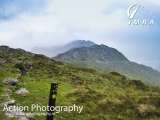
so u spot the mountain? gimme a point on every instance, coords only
(105, 58)
(55, 50)
(104, 96)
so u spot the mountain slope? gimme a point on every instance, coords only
(55, 50)
(109, 59)
(109, 96)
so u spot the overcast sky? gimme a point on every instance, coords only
(29, 23)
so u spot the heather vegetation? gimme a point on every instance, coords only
(104, 95)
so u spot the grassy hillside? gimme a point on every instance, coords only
(104, 58)
(105, 96)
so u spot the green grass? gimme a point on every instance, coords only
(105, 96)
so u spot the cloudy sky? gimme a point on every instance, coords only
(29, 23)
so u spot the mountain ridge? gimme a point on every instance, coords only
(105, 58)
(55, 50)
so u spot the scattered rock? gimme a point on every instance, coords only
(10, 81)
(14, 113)
(10, 102)
(2, 61)
(22, 92)
(23, 118)
(145, 109)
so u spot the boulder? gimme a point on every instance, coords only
(10, 81)
(10, 102)
(22, 92)
(145, 110)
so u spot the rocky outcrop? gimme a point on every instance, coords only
(10, 102)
